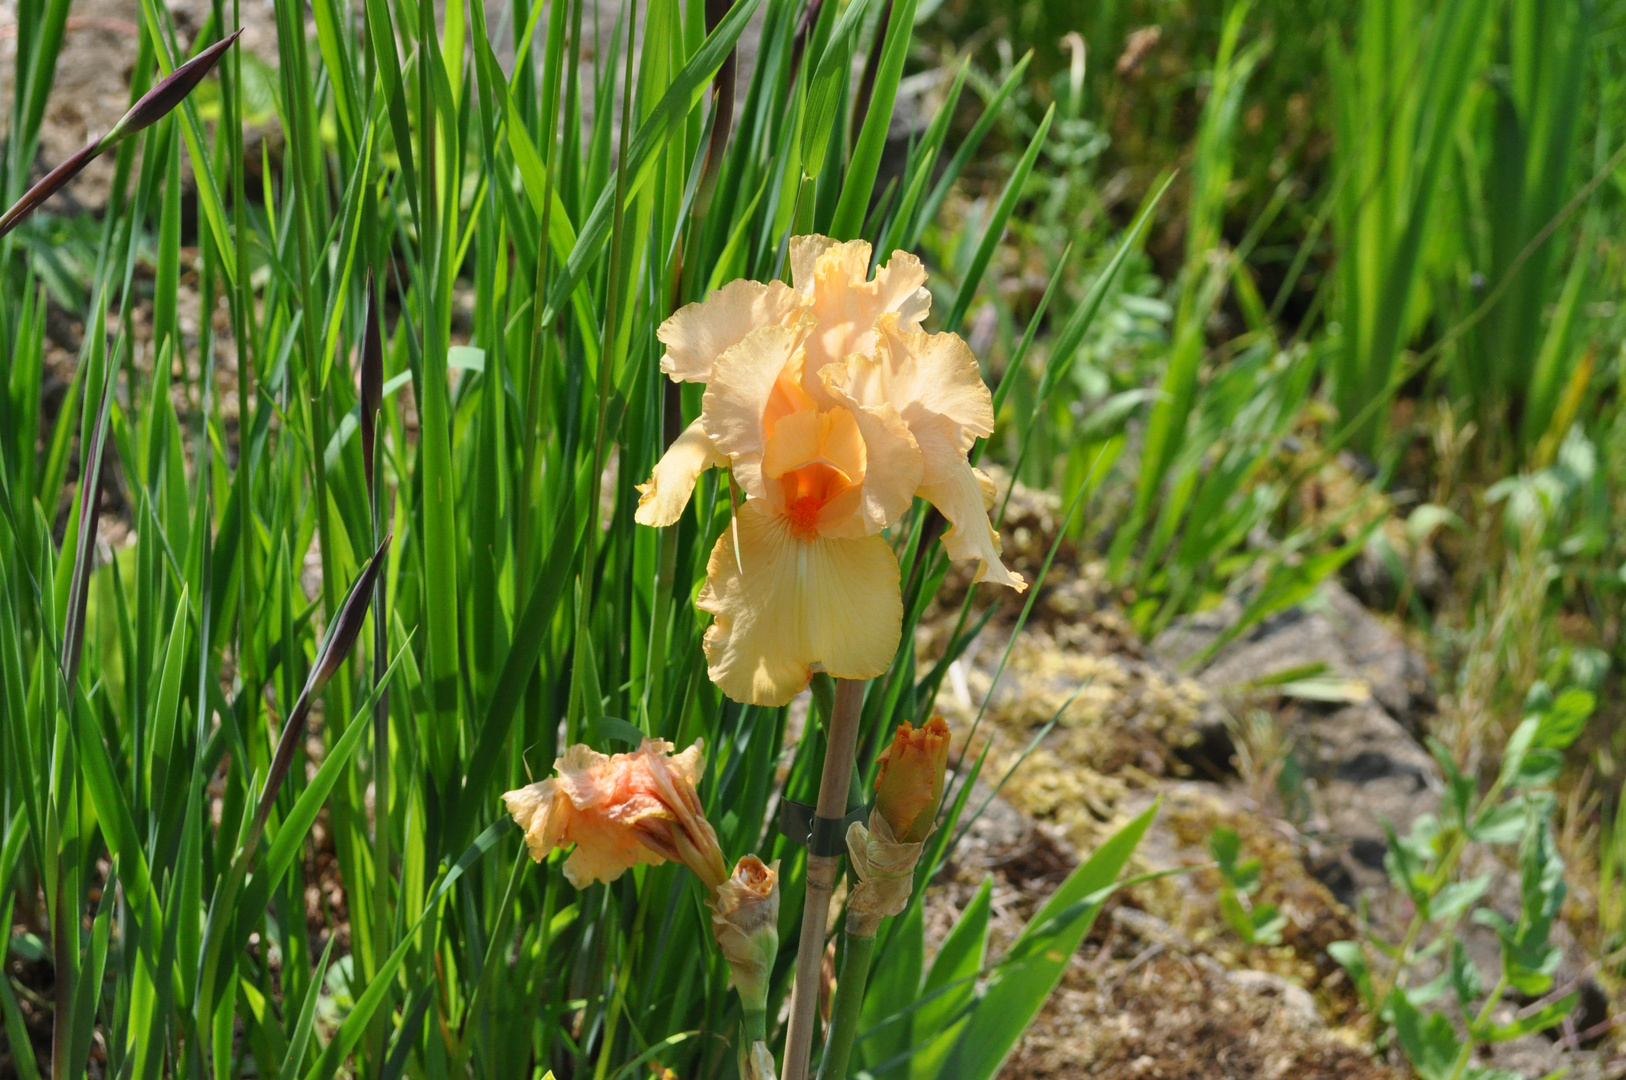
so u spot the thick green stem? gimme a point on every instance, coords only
(753, 1030)
(821, 877)
(838, 1047)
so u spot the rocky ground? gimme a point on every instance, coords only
(1163, 987)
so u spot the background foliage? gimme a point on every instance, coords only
(1268, 291)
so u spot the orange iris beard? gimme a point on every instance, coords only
(803, 513)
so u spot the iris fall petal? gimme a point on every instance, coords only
(787, 604)
(970, 536)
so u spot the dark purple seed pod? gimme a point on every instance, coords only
(347, 624)
(372, 380)
(154, 105)
(168, 92)
(335, 647)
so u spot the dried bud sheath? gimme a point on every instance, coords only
(885, 869)
(745, 922)
(908, 792)
(757, 1063)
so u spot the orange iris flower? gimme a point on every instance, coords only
(621, 810)
(834, 411)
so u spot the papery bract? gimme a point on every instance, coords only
(745, 922)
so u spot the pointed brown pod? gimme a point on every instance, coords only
(341, 636)
(372, 381)
(153, 106)
(167, 92)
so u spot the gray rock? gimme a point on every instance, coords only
(1296, 1002)
(1364, 766)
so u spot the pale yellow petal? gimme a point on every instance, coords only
(843, 308)
(900, 288)
(970, 536)
(788, 604)
(661, 501)
(849, 307)
(688, 765)
(939, 373)
(844, 264)
(935, 384)
(743, 384)
(989, 491)
(604, 851)
(529, 806)
(804, 259)
(698, 333)
(580, 772)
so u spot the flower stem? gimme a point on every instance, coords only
(753, 1028)
(1465, 1054)
(821, 876)
(849, 1001)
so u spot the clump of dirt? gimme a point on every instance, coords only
(1087, 726)
(1161, 988)
(1134, 1011)
(1189, 815)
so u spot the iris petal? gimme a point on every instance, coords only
(782, 605)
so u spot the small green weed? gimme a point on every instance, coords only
(1254, 922)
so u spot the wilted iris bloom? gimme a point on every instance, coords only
(833, 410)
(621, 810)
(745, 922)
